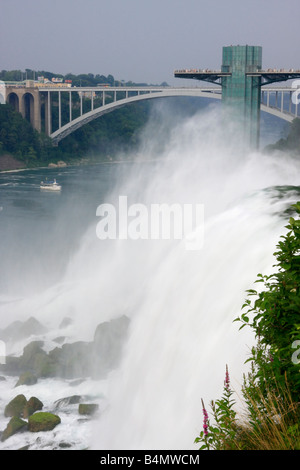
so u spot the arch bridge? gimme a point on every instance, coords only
(44, 106)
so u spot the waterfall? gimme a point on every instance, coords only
(180, 303)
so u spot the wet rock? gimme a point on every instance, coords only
(74, 360)
(59, 339)
(66, 321)
(36, 360)
(27, 378)
(32, 405)
(108, 344)
(15, 425)
(64, 445)
(27, 447)
(32, 358)
(43, 421)
(71, 400)
(87, 408)
(19, 406)
(19, 330)
(11, 366)
(16, 406)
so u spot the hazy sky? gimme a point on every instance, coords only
(143, 41)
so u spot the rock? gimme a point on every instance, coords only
(19, 330)
(72, 360)
(87, 408)
(34, 358)
(2, 378)
(15, 425)
(43, 421)
(16, 406)
(72, 400)
(59, 339)
(66, 321)
(27, 378)
(32, 355)
(108, 344)
(11, 366)
(20, 407)
(64, 445)
(33, 405)
(30, 352)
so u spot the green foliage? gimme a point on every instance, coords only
(113, 132)
(109, 134)
(221, 435)
(273, 315)
(271, 388)
(18, 138)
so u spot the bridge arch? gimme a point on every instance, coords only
(75, 124)
(28, 107)
(277, 112)
(13, 100)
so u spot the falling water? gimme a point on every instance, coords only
(181, 303)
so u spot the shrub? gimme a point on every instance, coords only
(271, 388)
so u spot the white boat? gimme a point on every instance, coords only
(50, 186)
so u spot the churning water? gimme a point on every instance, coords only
(180, 303)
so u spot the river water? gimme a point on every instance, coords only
(181, 303)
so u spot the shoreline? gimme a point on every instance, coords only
(68, 165)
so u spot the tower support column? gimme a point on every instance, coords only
(241, 91)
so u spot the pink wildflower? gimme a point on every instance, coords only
(205, 420)
(227, 379)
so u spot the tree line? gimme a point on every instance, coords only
(98, 139)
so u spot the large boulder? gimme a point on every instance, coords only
(79, 359)
(16, 406)
(32, 405)
(66, 401)
(19, 330)
(15, 425)
(19, 406)
(34, 359)
(71, 360)
(108, 344)
(27, 378)
(87, 408)
(43, 421)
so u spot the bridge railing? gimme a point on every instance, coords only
(284, 100)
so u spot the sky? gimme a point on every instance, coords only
(143, 41)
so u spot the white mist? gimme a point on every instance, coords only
(182, 304)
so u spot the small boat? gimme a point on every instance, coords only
(50, 186)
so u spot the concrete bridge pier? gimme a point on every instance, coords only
(27, 102)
